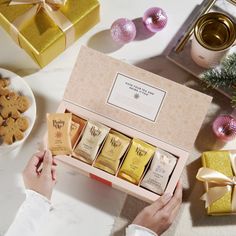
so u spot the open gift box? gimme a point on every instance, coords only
(138, 104)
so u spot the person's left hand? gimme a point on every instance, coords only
(160, 215)
(40, 173)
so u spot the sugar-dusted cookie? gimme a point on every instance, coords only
(3, 86)
(13, 104)
(13, 129)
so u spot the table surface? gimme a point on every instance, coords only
(78, 201)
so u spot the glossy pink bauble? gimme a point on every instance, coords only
(155, 19)
(224, 127)
(123, 31)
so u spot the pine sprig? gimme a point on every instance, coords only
(223, 76)
(213, 78)
(229, 63)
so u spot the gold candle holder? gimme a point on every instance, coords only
(215, 31)
(180, 46)
(214, 35)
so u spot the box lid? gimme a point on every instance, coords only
(136, 98)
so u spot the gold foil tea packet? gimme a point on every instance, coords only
(160, 170)
(114, 148)
(59, 124)
(92, 138)
(77, 125)
(137, 158)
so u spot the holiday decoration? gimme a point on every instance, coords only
(224, 127)
(123, 31)
(155, 19)
(223, 76)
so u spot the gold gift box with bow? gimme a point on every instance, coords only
(218, 173)
(45, 28)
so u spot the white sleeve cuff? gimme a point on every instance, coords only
(34, 197)
(137, 230)
(31, 215)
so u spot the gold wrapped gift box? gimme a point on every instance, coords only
(40, 36)
(214, 164)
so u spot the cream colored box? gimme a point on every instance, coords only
(138, 104)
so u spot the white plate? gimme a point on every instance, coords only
(18, 84)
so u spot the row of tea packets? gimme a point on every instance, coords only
(127, 158)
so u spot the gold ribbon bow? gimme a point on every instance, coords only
(51, 7)
(223, 184)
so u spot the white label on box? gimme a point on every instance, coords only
(136, 97)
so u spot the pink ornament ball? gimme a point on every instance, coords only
(224, 127)
(155, 19)
(123, 31)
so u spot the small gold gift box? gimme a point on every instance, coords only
(45, 28)
(218, 173)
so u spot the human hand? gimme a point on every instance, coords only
(160, 215)
(40, 173)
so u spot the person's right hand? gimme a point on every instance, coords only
(39, 178)
(160, 215)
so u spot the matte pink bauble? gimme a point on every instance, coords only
(123, 31)
(155, 19)
(224, 127)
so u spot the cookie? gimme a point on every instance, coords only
(1, 120)
(13, 129)
(12, 105)
(3, 86)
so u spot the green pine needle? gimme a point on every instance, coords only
(222, 76)
(229, 63)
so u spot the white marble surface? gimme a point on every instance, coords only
(83, 206)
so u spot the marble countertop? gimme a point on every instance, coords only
(79, 201)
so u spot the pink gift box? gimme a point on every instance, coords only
(138, 104)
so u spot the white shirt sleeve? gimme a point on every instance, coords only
(137, 230)
(30, 216)
(35, 210)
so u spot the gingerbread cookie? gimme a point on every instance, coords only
(1, 120)
(3, 86)
(13, 129)
(13, 104)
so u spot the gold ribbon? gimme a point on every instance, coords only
(52, 9)
(223, 184)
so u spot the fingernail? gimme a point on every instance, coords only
(167, 197)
